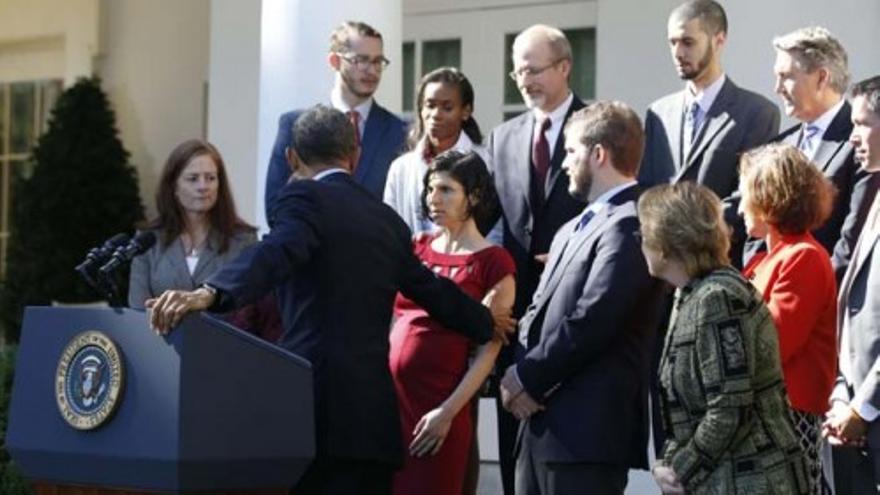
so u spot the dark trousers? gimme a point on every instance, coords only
(507, 424)
(856, 471)
(535, 477)
(333, 476)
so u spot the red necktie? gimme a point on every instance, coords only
(355, 119)
(541, 154)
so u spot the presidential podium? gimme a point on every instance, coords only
(101, 404)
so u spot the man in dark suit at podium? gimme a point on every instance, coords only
(338, 257)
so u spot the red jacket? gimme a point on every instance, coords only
(799, 287)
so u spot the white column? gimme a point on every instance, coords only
(269, 57)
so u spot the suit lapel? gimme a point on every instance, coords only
(674, 114)
(176, 256)
(572, 247)
(522, 166)
(716, 119)
(866, 244)
(207, 256)
(377, 123)
(834, 139)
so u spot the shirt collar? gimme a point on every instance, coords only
(463, 144)
(605, 198)
(706, 97)
(330, 171)
(557, 115)
(338, 103)
(825, 119)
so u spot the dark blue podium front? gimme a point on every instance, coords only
(206, 408)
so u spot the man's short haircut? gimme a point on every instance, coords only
(616, 127)
(559, 44)
(869, 89)
(713, 19)
(323, 135)
(785, 188)
(340, 38)
(813, 48)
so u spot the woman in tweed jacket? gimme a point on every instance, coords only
(723, 399)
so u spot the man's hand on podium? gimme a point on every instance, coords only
(167, 310)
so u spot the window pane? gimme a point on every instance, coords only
(49, 92)
(583, 72)
(409, 75)
(440, 53)
(509, 115)
(21, 127)
(511, 93)
(4, 128)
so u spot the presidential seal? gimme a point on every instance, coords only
(88, 381)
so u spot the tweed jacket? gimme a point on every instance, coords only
(723, 399)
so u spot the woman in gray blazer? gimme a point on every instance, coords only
(198, 229)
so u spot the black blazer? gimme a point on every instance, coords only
(339, 257)
(589, 334)
(383, 140)
(836, 158)
(529, 222)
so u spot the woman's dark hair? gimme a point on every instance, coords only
(452, 77)
(469, 170)
(222, 217)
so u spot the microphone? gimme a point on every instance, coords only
(124, 254)
(98, 256)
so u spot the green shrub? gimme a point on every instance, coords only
(11, 481)
(82, 191)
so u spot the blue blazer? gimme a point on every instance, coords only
(383, 140)
(338, 257)
(589, 334)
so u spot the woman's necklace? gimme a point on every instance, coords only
(191, 248)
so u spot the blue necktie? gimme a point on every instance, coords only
(585, 219)
(808, 133)
(693, 122)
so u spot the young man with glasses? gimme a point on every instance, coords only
(356, 56)
(527, 154)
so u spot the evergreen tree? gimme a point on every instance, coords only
(82, 191)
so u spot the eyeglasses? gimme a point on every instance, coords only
(522, 72)
(361, 62)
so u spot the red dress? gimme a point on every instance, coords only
(428, 361)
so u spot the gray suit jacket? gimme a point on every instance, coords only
(164, 267)
(859, 298)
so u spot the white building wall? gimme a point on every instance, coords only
(634, 64)
(153, 64)
(41, 39)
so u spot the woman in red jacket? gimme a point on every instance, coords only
(784, 197)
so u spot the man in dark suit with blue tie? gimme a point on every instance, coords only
(527, 153)
(356, 56)
(339, 257)
(811, 78)
(699, 133)
(581, 387)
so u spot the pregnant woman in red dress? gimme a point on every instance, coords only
(434, 380)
